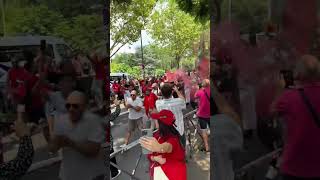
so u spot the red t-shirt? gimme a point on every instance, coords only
(175, 166)
(17, 80)
(300, 155)
(116, 87)
(150, 102)
(37, 96)
(100, 69)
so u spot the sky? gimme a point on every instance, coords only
(146, 39)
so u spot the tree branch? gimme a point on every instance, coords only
(117, 50)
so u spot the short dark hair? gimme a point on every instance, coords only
(166, 90)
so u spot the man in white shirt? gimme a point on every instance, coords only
(135, 106)
(79, 134)
(175, 105)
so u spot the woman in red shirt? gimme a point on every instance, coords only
(167, 152)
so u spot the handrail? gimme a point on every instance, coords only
(256, 162)
(51, 161)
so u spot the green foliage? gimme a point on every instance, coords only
(250, 14)
(159, 72)
(125, 58)
(84, 32)
(127, 20)
(197, 8)
(134, 71)
(188, 63)
(174, 29)
(38, 20)
(72, 8)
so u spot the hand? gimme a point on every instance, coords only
(129, 106)
(175, 88)
(21, 129)
(159, 159)
(150, 143)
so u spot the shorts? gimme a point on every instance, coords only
(204, 123)
(133, 124)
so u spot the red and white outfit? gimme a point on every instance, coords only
(175, 165)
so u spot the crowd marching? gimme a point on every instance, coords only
(67, 102)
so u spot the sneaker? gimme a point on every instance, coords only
(119, 172)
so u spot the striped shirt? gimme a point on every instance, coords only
(175, 105)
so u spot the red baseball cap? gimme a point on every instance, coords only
(165, 116)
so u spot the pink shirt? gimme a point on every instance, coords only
(301, 156)
(204, 103)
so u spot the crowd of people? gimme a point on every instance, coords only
(162, 101)
(54, 98)
(295, 107)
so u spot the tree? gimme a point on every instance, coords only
(37, 20)
(84, 32)
(127, 21)
(250, 14)
(134, 71)
(125, 58)
(72, 8)
(197, 8)
(174, 29)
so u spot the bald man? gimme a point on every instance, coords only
(203, 113)
(79, 134)
(300, 158)
(135, 106)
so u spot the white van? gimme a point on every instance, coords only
(115, 76)
(14, 46)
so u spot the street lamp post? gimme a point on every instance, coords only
(143, 65)
(230, 10)
(3, 18)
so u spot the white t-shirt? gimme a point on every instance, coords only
(175, 105)
(74, 165)
(133, 114)
(226, 139)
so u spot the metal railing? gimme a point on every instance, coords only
(191, 131)
(193, 144)
(247, 171)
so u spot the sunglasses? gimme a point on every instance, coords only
(74, 106)
(133, 95)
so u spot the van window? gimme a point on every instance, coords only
(7, 52)
(64, 51)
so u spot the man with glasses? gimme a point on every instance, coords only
(79, 134)
(135, 107)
